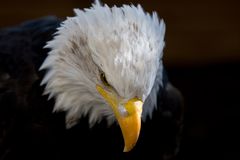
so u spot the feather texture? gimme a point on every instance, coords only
(125, 43)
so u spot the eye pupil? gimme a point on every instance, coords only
(103, 79)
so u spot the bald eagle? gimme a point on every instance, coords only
(101, 68)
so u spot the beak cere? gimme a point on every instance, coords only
(130, 122)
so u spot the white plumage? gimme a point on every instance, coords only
(125, 43)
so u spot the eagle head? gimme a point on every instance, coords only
(105, 62)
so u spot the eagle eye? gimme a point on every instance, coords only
(104, 79)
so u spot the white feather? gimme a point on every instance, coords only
(126, 43)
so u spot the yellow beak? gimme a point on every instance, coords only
(130, 121)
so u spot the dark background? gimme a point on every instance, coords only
(202, 56)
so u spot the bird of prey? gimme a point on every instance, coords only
(101, 68)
